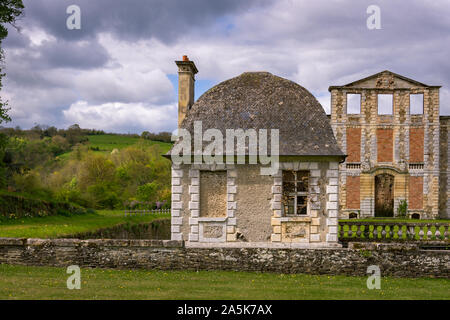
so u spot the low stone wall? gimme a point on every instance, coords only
(393, 259)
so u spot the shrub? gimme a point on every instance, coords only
(402, 208)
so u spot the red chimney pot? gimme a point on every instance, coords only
(185, 58)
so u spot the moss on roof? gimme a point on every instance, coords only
(260, 100)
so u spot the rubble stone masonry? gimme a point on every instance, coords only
(394, 259)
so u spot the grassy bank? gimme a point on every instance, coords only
(59, 226)
(109, 142)
(21, 282)
(105, 143)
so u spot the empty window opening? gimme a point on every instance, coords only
(385, 104)
(353, 103)
(353, 215)
(416, 103)
(415, 216)
(295, 192)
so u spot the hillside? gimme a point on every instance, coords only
(106, 143)
(109, 142)
(79, 166)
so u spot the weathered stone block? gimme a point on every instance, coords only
(275, 222)
(175, 212)
(177, 173)
(193, 189)
(177, 205)
(195, 213)
(193, 173)
(193, 205)
(275, 237)
(231, 189)
(177, 189)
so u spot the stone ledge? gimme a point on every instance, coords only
(12, 241)
(263, 245)
(383, 246)
(92, 242)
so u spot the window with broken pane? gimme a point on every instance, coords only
(295, 192)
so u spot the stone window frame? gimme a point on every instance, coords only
(331, 207)
(314, 190)
(296, 194)
(195, 221)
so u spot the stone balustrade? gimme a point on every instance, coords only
(373, 231)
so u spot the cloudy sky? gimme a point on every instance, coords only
(117, 73)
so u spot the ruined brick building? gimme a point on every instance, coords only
(388, 126)
(396, 144)
(233, 204)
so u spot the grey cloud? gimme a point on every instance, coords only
(315, 43)
(132, 20)
(77, 55)
(58, 54)
(15, 39)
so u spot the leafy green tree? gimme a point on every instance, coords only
(148, 192)
(10, 11)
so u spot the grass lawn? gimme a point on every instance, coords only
(108, 142)
(57, 226)
(22, 282)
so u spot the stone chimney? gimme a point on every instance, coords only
(186, 85)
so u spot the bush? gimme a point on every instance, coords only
(14, 206)
(402, 209)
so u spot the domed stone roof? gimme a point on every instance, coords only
(261, 100)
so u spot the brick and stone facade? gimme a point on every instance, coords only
(401, 156)
(231, 203)
(396, 154)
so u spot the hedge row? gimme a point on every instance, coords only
(17, 206)
(157, 230)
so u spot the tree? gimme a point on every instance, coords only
(10, 11)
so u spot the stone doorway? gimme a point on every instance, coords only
(384, 195)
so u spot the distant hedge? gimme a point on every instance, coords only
(157, 230)
(17, 206)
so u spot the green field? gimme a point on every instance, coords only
(22, 282)
(59, 226)
(109, 142)
(105, 143)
